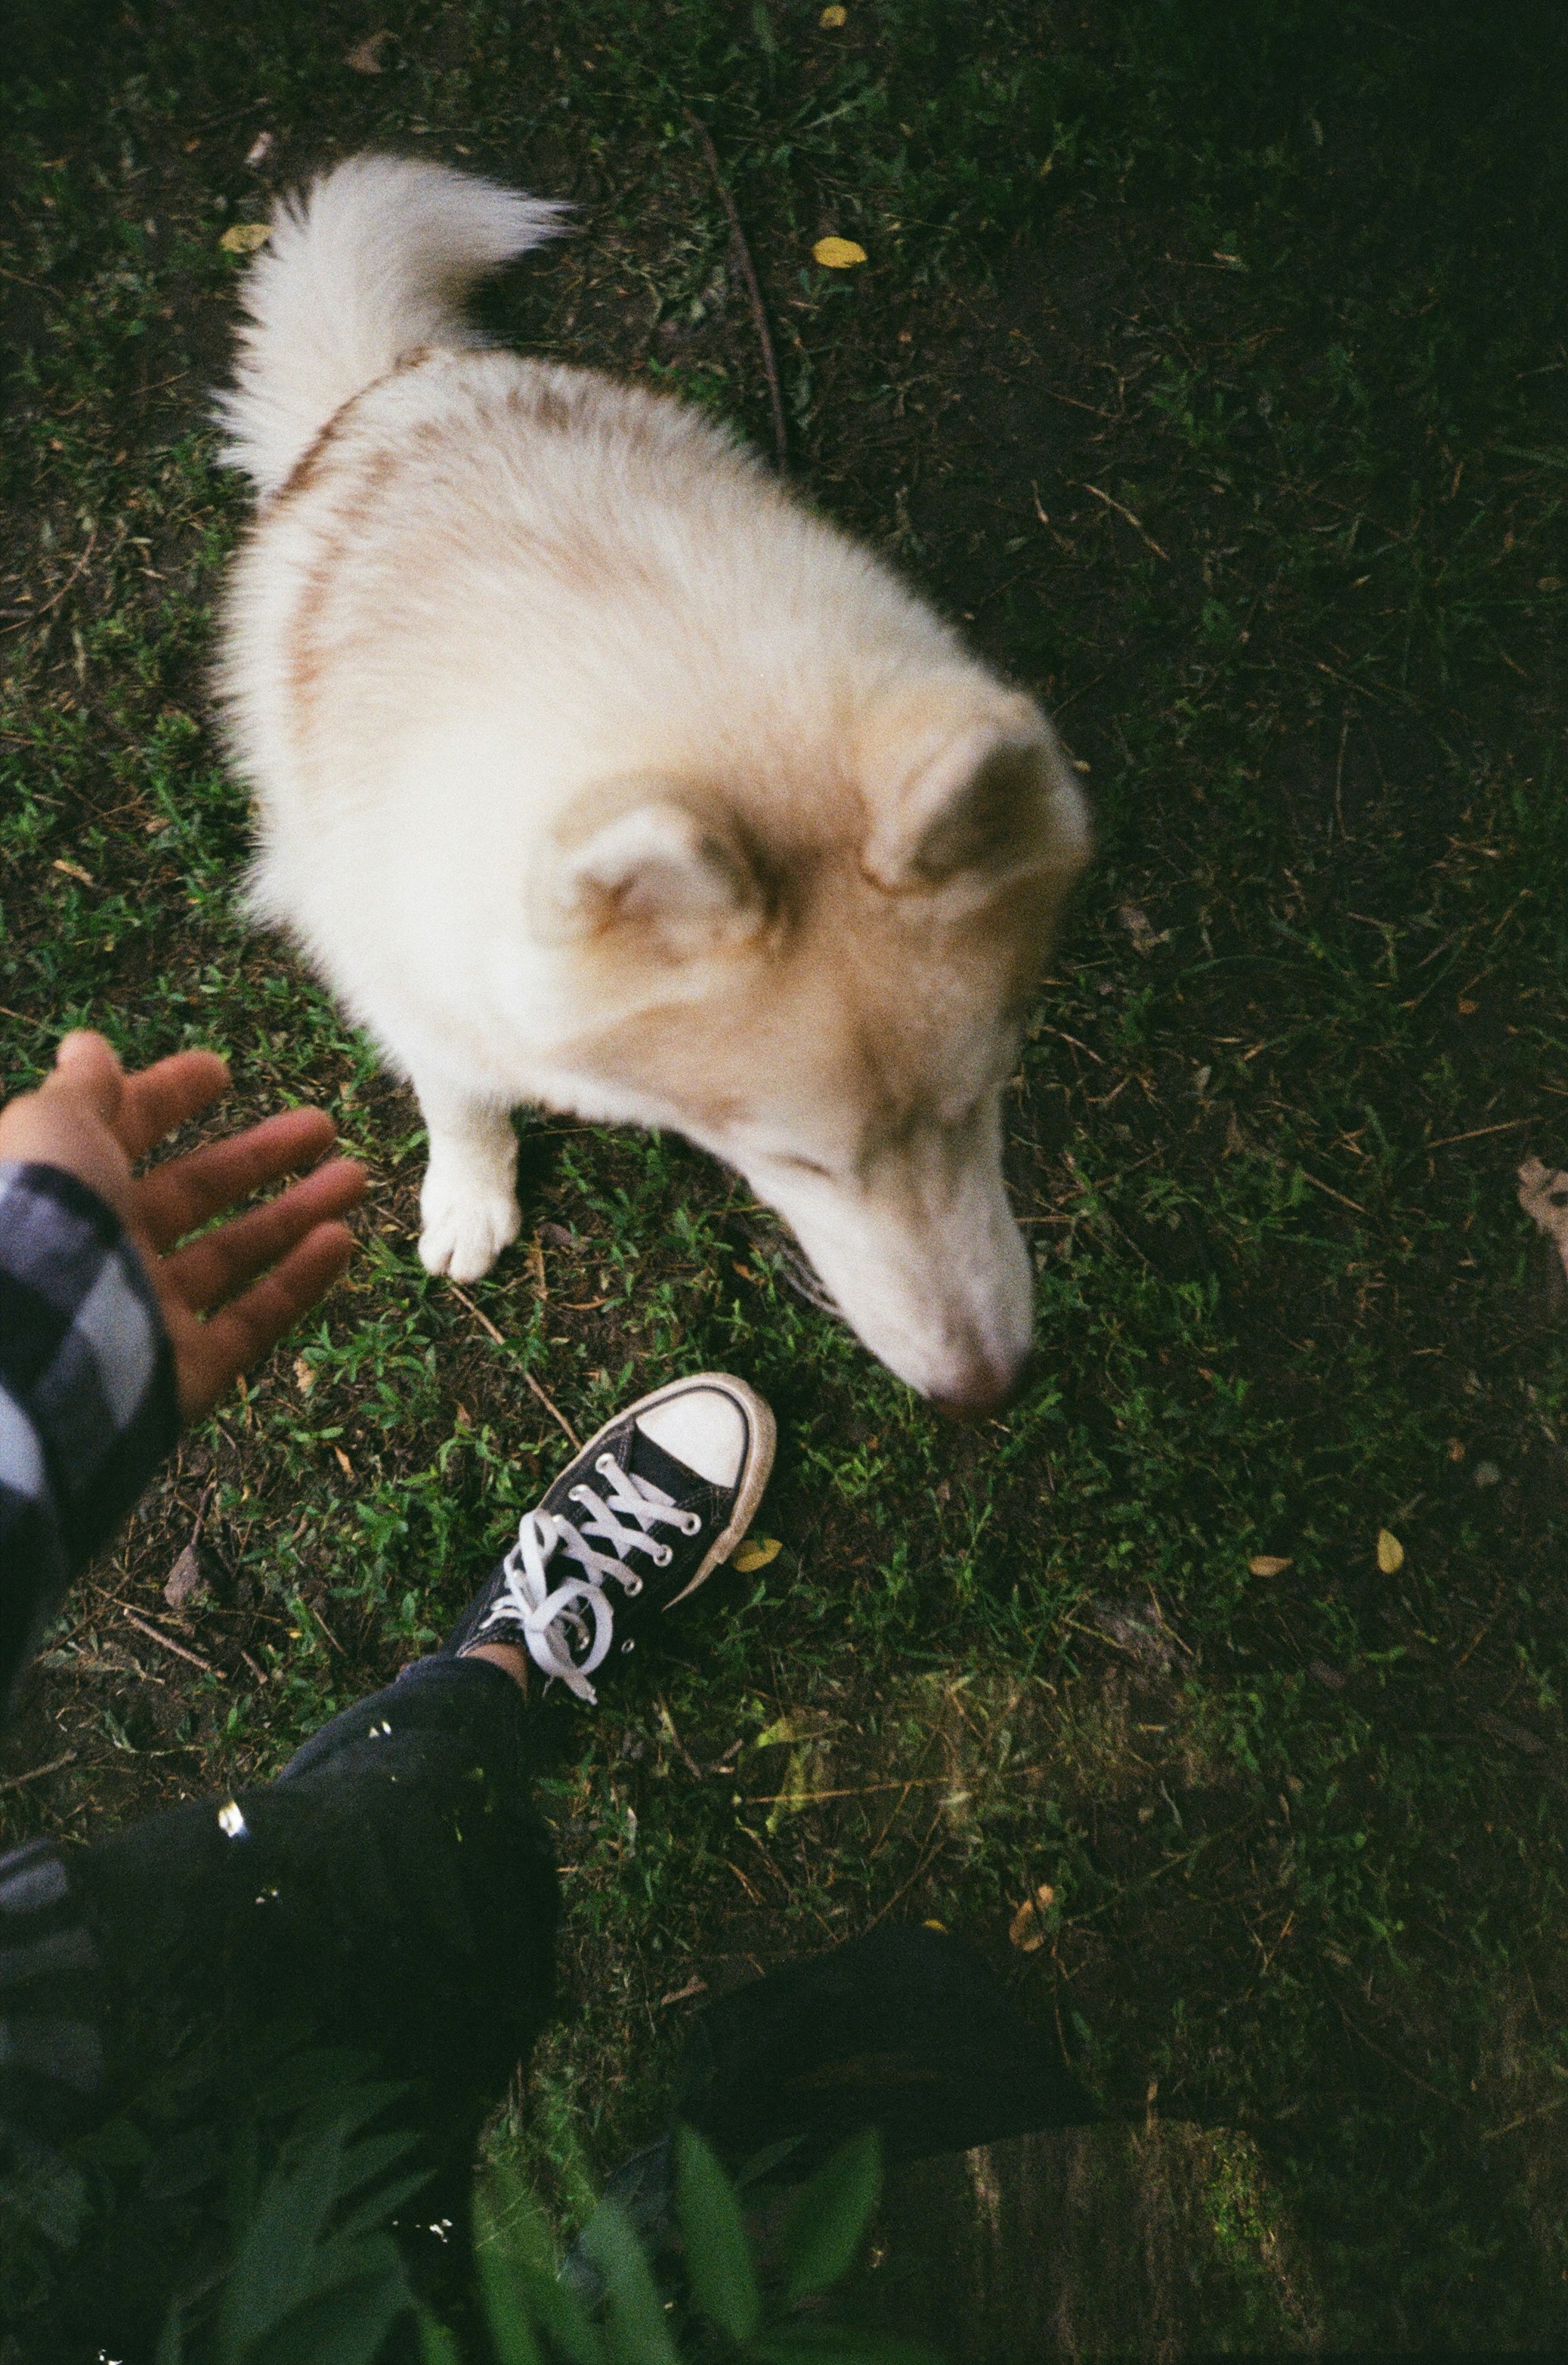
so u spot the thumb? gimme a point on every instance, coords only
(90, 1066)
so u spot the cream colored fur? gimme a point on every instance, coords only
(591, 769)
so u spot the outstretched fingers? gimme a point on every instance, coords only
(86, 1062)
(212, 1353)
(174, 1199)
(220, 1264)
(167, 1095)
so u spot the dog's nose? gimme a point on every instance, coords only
(986, 1387)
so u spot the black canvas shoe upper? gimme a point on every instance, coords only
(623, 1533)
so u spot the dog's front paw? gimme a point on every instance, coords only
(465, 1229)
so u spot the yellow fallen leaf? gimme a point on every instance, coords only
(832, 18)
(1390, 1553)
(304, 1377)
(75, 871)
(940, 1927)
(245, 237)
(755, 1552)
(837, 253)
(346, 1465)
(1267, 1564)
(1024, 1929)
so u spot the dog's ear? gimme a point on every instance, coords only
(966, 793)
(639, 856)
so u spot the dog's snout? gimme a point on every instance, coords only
(986, 1387)
(932, 1270)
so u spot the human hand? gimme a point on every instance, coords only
(228, 1297)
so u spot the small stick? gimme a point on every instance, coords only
(699, 1987)
(1482, 1631)
(1089, 406)
(554, 1411)
(750, 1886)
(748, 272)
(36, 1773)
(482, 1319)
(1509, 1125)
(1136, 524)
(1339, 773)
(1436, 2092)
(37, 286)
(1062, 1036)
(1490, 2135)
(325, 1628)
(1077, 694)
(154, 1634)
(34, 613)
(1326, 1188)
(679, 1746)
(924, 1866)
(529, 1380)
(863, 1790)
(201, 1512)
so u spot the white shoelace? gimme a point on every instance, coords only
(548, 1618)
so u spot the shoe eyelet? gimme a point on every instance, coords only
(632, 1586)
(663, 1557)
(607, 1465)
(693, 1524)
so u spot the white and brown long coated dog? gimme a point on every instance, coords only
(592, 769)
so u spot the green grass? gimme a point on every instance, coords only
(1282, 284)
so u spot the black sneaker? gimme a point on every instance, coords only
(656, 1500)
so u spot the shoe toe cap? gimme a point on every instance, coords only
(703, 1427)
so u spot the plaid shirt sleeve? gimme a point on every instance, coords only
(87, 1402)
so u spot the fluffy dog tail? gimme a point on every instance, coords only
(370, 265)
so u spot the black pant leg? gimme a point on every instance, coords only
(384, 1910)
(392, 1892)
